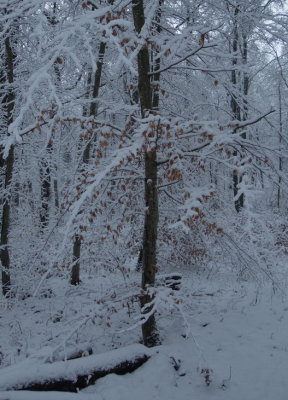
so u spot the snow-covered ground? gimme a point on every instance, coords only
(228, 342)
(237, 349)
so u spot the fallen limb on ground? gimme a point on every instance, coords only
(47, 354)
(28, 395)
(71, 375)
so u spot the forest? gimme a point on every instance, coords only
(143, 199)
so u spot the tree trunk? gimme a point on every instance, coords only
(149, 328)
(5, 257)
(75, 273)
(45, 170)
(280, 161)
(45, 187)
(156, 61)
(8, 105)
(235, 106)
(94, 105)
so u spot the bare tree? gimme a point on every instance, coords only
(149, 329)
(8, 103)
(75, 273)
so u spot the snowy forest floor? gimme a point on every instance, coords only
(228, 341)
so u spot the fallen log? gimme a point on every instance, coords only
(73, 354)
(48, 354)
(28, 395)
(73, 375)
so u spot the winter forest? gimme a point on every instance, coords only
(143, 198)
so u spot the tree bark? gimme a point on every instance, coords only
(4, 254)
(156, 61)
(149, 329)
(7, 80)
(75, 273)
(45, 170)
(94, 105)
(45, 178)
(235, 107)
(280, 161)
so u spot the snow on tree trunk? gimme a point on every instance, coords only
(149, 329)
(7, 79)
(75, 273)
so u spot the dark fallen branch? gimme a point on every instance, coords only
(29, 395)
(82, 381)
(172, 281)
(72, 375)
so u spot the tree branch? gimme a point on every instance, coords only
(241, 125)
(179, 61)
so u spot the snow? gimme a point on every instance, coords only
(244, 345)
(29, 371)
(234, 332)
(29, 395)
(224, 333)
